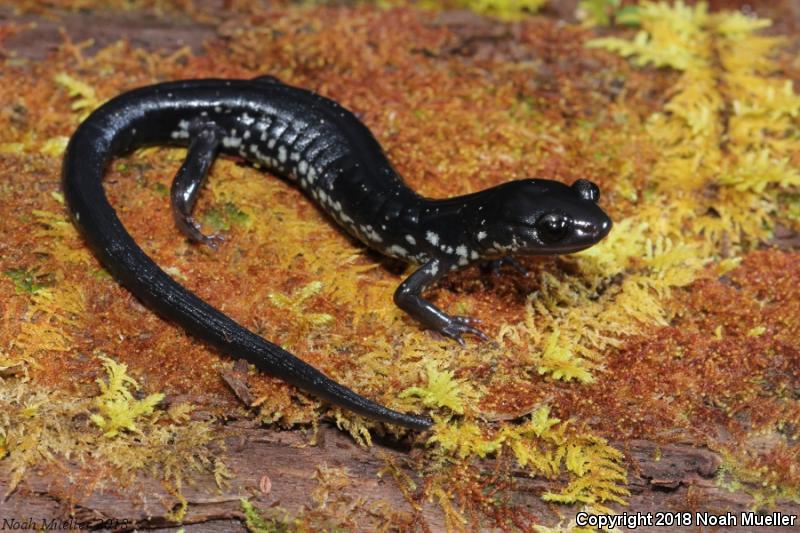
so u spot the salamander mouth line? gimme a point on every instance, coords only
(326, 151)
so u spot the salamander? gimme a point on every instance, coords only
(324, 149)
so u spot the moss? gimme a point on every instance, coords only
(47, 428)
(543, 445)
(85, 99)
(606, 12)
(256, 523)
(28, 281)
(441, 390)
(222, 217)
(501, 9)
(504, 9)
(767, 484)
(118, 410)
(296, 303)
(677, 323)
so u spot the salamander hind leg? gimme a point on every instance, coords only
(408, 297)
(189, 179)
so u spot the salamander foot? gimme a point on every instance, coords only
(457, 325)
(191, 228)
(408, 298)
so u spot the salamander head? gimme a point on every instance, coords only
(542, 217)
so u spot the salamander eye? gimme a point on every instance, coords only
(552, 227)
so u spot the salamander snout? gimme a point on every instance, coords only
(568, 229)
(593, 229)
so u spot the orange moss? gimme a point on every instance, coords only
(692, 380)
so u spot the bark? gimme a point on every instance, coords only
(662, 478)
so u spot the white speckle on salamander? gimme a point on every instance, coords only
(503, 247)
(410, 239)
(433, 269)
(481, 235)
(183, 124)
(282, 154)
(271, 143)
(432, 238)
(396, 250)
(231, 142)
(247, 119)
(370, 233)
(246, 134)
(302, 167)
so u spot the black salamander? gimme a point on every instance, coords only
(326, 151)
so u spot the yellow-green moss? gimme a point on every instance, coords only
(501, 9)
(38, 429)
(605, 12)
(441, 390)
(118, 410)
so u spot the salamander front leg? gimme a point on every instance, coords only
(188, 181)
(408, 297)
